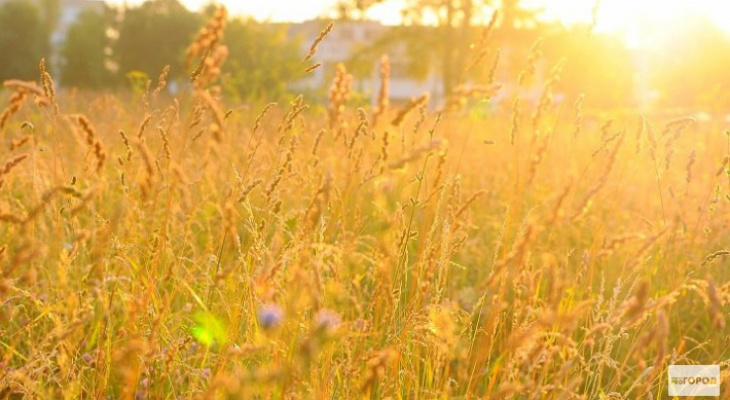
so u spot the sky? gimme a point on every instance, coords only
(277, 10)
(613, 15)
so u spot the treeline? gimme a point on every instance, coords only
(108, 48)
(114, 47)
(682, 65)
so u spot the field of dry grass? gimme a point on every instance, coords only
(162, 248)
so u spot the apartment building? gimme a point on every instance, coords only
(343, 44)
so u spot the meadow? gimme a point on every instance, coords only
(155, 247)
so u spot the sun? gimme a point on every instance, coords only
(639, 22)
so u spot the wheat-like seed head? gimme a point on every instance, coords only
(318, 40)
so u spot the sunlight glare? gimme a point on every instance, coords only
(634, 19)
(639, 22)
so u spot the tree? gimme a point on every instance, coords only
(154, 35)
(261, 60)
(85, 59)
(456, 19)
(458, 23)
(51, 13)
(23, 40)
(353, 9)
(516, 16)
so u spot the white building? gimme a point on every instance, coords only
(345, 40)
(69, 11)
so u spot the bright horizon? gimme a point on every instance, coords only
(639, 22)
(612, 14)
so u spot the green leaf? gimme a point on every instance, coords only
(138, 81)
(209, 330)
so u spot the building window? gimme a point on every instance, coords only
(347, 34)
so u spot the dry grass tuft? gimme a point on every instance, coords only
(348, 251)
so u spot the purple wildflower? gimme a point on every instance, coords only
(270, 315)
